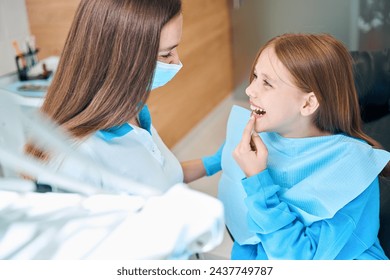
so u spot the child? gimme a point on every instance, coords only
(307, 187)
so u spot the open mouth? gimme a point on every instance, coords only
(257, 110)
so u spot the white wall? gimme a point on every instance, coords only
(13, 26)
(257, 21)
(337, 17)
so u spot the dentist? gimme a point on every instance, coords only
(116, 53)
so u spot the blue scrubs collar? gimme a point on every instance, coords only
(144, 119)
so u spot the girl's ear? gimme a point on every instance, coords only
(310, 104)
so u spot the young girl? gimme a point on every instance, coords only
(307, 186)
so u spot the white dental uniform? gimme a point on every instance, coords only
(137, 153)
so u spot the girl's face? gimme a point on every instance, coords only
(279, 104)
(169, 40)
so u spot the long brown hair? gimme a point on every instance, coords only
(107, 64)
(321, 64)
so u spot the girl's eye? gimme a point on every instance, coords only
(266, 83)
(254, 76)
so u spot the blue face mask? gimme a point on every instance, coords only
(164, 72)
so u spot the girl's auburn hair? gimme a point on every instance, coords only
(321, 64)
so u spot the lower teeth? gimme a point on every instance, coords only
(259, 112)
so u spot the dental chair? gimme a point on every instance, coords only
(83, 222)
(372, 79)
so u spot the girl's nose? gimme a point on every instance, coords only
(249, 92)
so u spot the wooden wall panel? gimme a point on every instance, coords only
(50, 21)
(205, 50)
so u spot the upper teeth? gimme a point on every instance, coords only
(257, 110)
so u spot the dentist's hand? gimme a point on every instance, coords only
(251, 161)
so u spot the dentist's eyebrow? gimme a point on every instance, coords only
(168, 48)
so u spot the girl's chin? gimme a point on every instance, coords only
(259, 129)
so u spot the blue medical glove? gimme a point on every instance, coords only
(212, 164)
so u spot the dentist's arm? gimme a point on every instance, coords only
(206, 166)
(193, 170)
